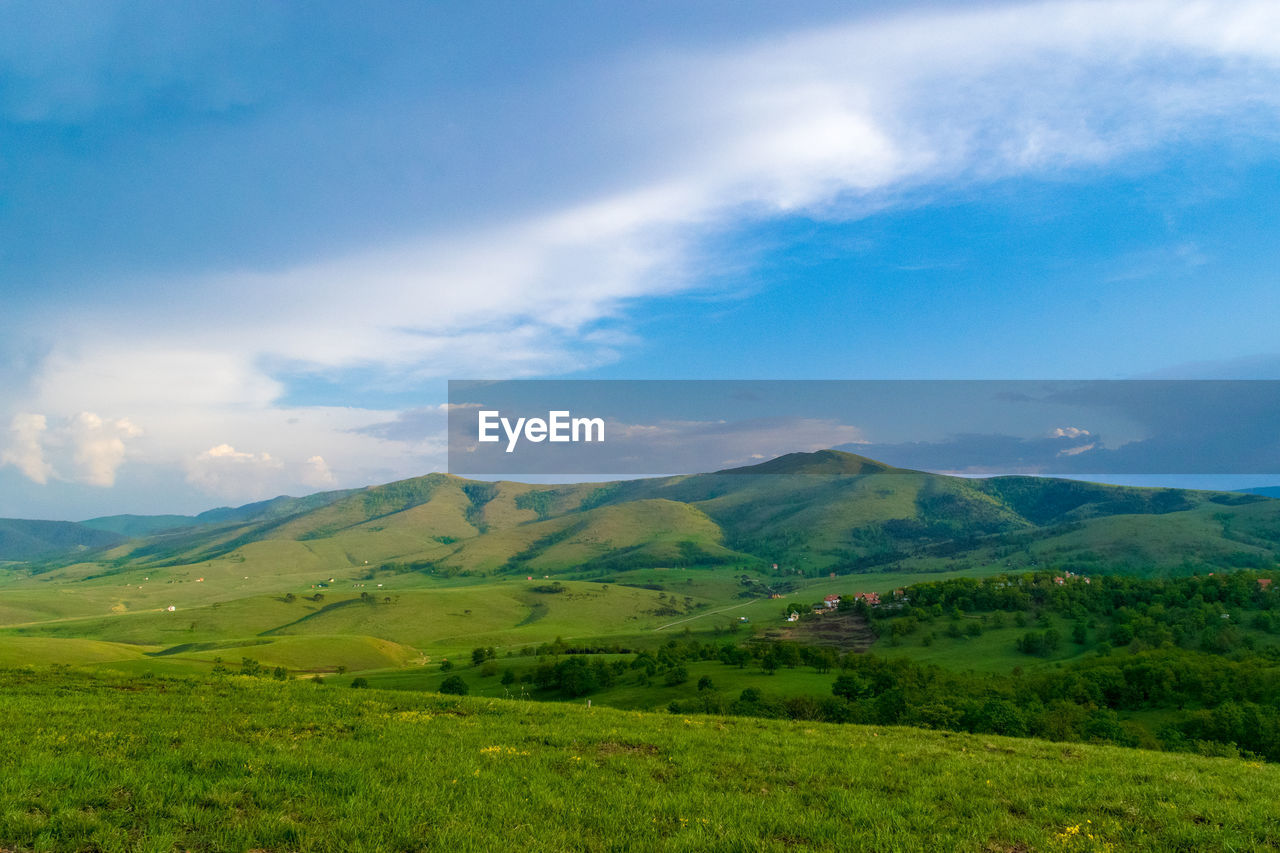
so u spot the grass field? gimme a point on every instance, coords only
(437, 617)
(114, 764)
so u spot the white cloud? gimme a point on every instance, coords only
(1076, 451)
(100, 446)
(1069, 432)
(830, 122)
(223, 470)
(93, 447)
(316, 473)
(26, 447)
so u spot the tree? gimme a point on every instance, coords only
(280, 673)
(823, 660)
(455, 686)
(478, 656)
(850, 686)
(676, 675)
(360, 682)
(508, 676)
(770, 662)
(704, 683)
(446, 665)
(575, 677)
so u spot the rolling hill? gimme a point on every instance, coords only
(23, 541)
(815, 513)
(111, 763)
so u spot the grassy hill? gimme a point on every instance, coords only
(439, 564)
(115, 763)
(388, 577)
(22, 540)
(661, 594)
(810, 512)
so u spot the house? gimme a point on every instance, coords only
(776, 595)
(793, 616)
(831, 602)
(1059, 581)
(1264, 583)
(872, 598)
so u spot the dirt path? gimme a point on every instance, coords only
(708, 613)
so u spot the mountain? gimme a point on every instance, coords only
(827, 511)
(22, 540)
(133, 526)
(1265, 491)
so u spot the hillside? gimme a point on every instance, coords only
(22, 540)
(809, 512)
(110, 763)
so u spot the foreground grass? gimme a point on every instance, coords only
(111, 763)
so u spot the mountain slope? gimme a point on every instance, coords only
(812, 512)
(22, 540)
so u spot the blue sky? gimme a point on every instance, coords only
(233, 238)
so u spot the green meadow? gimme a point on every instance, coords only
(271, 677)
(114, 763)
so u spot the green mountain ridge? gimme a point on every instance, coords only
(24, 540)
(827, 511)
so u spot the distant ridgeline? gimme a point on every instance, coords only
(811, 513)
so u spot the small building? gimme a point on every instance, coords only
(793, 616)
(776, 595)
(831, 602)
(1264, 583)
(171, 608)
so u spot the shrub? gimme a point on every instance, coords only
(454, 685)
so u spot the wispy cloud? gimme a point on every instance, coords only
(831, 122)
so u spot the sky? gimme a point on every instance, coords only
(237, 240)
